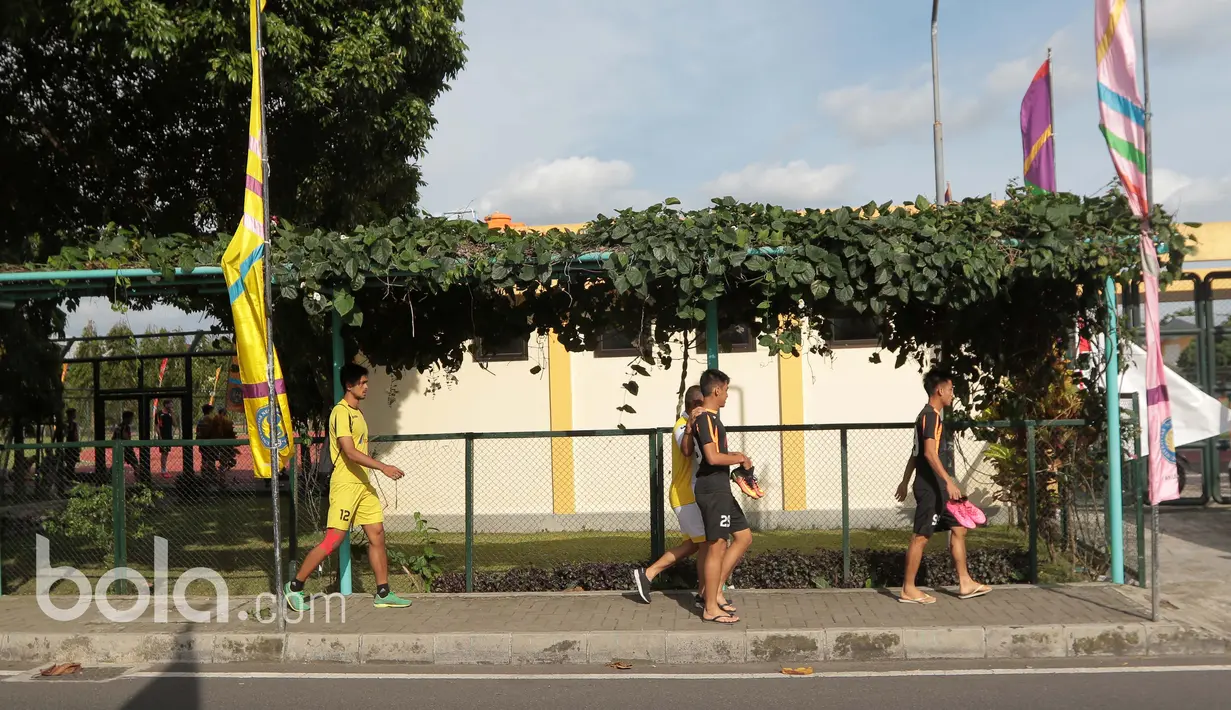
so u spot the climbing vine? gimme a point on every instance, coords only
(991, 285)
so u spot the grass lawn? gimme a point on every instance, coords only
(235, 537)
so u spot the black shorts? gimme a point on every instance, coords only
(720, 513)
(931, 515)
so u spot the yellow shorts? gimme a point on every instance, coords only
(354, 504)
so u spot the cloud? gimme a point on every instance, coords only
(1185, 26)
(793, 184)
(1192, 198)
(567, 189)
(875, 116)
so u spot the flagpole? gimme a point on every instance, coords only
(938, 139)
(1145, 76)
(1051, 112)
(275, 427)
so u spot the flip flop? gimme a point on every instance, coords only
(980, 591)
(699, 603)
(925, 599)
(715, 619)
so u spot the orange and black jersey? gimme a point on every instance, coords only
(709, 430)
(927, 426)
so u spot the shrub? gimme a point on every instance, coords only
(783, 569)
(88, 517)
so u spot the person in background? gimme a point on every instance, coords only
(124, 432)
(165, 424)
(209, 455)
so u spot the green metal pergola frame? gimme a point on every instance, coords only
(208, 279)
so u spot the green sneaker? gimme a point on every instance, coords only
(297, 601)
(390, 601)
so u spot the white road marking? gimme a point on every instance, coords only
(274, 675)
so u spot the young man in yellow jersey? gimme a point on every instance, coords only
(352, 500)
(683, 501)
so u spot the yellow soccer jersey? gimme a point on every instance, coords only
(683, 468)
(345, 420)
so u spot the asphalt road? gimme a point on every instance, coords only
(1112, 685)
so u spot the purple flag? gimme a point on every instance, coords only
(1038, 147)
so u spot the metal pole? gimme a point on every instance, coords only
(938, 139)
(1115, 523)
(1154, 563)
(1051, 111)
(1150, 196)
(1145, 76)
(469, 513)
(1139, 489)
(119, 510)
(293, 474)
(339, 354)
(846, 511)
(1032, 496)
(275, 427)
(658, 510)
(711, 334)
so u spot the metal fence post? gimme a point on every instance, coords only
(658, 534)
(846, 513)
(118, 505)
(1032, 496)
(1139, 488)
(293, 513)
(469, 512)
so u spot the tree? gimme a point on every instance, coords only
(29, 373)
(135, 113)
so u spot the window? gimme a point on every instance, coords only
(614, 343)
(851, 330)
(514, 349)
(738, 338)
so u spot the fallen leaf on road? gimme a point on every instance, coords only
(619, 665)
(61, 669)
(806, 670)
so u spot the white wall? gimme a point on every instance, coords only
(513, 477)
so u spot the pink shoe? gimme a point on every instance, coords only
(959, 514)
(966, 514)
(975, 512)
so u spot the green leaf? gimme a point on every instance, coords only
(820, 289)
(671, 201)
(632, 387)
(343, 303)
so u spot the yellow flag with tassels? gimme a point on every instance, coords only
(243, 267)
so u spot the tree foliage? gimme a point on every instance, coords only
(993, 286)
(135, 113)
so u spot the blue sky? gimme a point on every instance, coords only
(568, 108)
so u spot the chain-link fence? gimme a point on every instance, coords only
(490, 502)
(155, 507)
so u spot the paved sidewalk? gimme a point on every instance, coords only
(598, 627)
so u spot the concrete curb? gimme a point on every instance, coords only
(601, 647)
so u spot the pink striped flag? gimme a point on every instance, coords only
(1123, 125)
